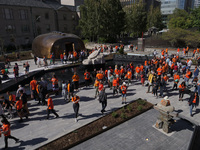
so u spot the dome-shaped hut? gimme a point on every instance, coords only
(56, 42)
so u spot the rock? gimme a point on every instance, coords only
(95, 58)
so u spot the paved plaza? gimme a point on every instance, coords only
(36, 131)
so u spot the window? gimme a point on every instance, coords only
(64, 17)
(10, 28)
(23, 14)
(48, 27)
(46, 15)
(25, 28)
(8, 14)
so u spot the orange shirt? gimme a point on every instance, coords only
(3, 71)
(96, 84)
(159, 71)
(188, 74)
(178, 50)
(12, 98)
(166, 78)
(137, 69)
(141, 67)
(75, 99)
(117, 71)
(163, 52)
(129, 74)
(176, 77)
(172, 66)
(174, 59)
(163, 69)
(6, 128)
(87, 74)
(100, 86)
(33, 84)
(123, 89)
(181, 87)
(115, 82)
(50, 103)
(54, 81)
(146, 63)
(166, 50)
(99, 76)
(122, 71)
(198, 50)
(194, 100)
(18, 104)
(75, 78)
(194, 51)
(68, 87)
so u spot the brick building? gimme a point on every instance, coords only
(23, 20)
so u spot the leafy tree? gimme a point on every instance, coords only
(136, 18)
(154, 18)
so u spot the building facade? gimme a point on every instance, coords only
(148, 3)
(23, 20)
(197, 3)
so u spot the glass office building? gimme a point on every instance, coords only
(197, 3)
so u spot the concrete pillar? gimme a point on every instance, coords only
(141, 44)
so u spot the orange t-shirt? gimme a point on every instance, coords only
(99, 76)
(181, 87)
(87, 74)
(117, 71)
(18, 104)
(68, 87)
(75, 78)
(75, 99)
(122, 71)
(96, 84)
(188, 74)
(100, 86)
(50, 103)
(166, 78)
(137, 69)
(194, 100)
(54, 81)
(159, 71)
(6, 127)
(123, 89)
(115, 82)
(176, 77)
(33, 84)
(129, 74)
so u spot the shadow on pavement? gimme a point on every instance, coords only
(181, 124)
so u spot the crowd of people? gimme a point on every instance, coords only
(154, 73)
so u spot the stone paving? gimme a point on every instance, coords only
(138, 134)
(37, 131)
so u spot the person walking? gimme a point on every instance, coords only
(33, 85)
(16, 70)
(7, 132)
(103, 99)
(124, 89)
(96, 85)
(176, 81)
(75, 100)
(43, 90)
(70, 90)
(23, 97)
(193, 102)
(182, 88)
(87, 78)
(18, 106)
(196, 73)
(50, 107)
(55, 87)
(115, 86)
(75, 79)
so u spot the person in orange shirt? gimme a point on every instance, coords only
(75, 79)
(193, 102)
(33, 85)
(178, 50)
(122, 71)
(70, 90)
(197, 50)
(187, 76)
(137, 70)
(50, 107)
(61, 57)
(100, 85)
(163, 52)
(76, 105)
(187, 50)
(166, 51)
(18, 106)
(124, 89)
(55, 87)
(159, 72)
(117, 72)
(129, 76)
(176, 80)
(87, 78)
(182, 88)
(194, 52)
(99, 76)
(7, 133)
(115, 86)
(172, 69)
(96, 85)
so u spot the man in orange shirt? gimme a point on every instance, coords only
(99, 76)
(33, 85)
(115, 86)
(137, 70)
(70, 90)
(187, 76)
(50, 107)
(182, 88)
(18, 106)
(123, 89)
(75, 79)
(159, 72)
(87, 78)
(129, 76)
(176, 80)
(6, 131)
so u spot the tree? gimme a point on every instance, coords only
(154, 18)
(101, 18)
(136, 18)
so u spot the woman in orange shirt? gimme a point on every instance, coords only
(76, 105)
(182, 88)
(115, 86)
(6, 131)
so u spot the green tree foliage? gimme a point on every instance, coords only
(181, 38)
(154, 18)
(101, 19)
(136, 18)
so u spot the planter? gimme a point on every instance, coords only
(99, 126)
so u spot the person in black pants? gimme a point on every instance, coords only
(76, 106)
(50, 107)
(103, 99)
(5, 128)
